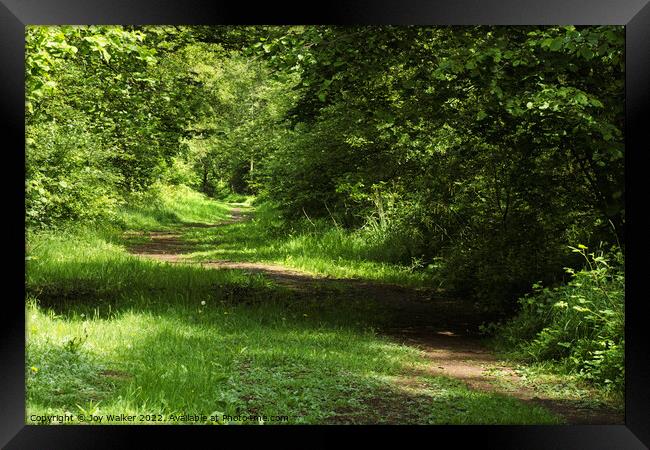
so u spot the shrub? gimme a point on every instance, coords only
(580, 324)
(68, 178)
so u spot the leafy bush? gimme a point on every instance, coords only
(497, 269)
(67, 176)
(180, 172)
(580, 324)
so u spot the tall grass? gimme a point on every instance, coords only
(316, 246)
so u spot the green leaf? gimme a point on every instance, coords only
(556, 44)
(546, 43)
(586, 53)
(595, 102)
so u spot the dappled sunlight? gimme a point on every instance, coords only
(227, 340)
(141, 344)
(233, 359)
(324, 223)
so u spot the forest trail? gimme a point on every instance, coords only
(440, 327)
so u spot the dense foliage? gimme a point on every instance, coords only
(491, 147)
(581, 325)
(474, 155)
(105, 107)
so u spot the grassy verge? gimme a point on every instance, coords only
(325, 250)
(111, 334)
(165, 207)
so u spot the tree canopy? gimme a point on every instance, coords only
(484, 150)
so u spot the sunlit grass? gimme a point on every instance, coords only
(330, 252)
(109, 333)
(92, 269)
(226, 359)
(233, 360)
(170, 206)
(334, 253)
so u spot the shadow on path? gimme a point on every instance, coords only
(441, 328)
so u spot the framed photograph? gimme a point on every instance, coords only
(387, 217)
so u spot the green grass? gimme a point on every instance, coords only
(108, 333)
(91, 268)
(239, 360)
(552, 380)
(168, 206)
(326, 251)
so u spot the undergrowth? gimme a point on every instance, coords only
(578, 326)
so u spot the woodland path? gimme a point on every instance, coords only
(440, 327)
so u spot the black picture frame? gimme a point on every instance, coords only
(16, 14)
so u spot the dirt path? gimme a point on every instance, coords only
(441, 328)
